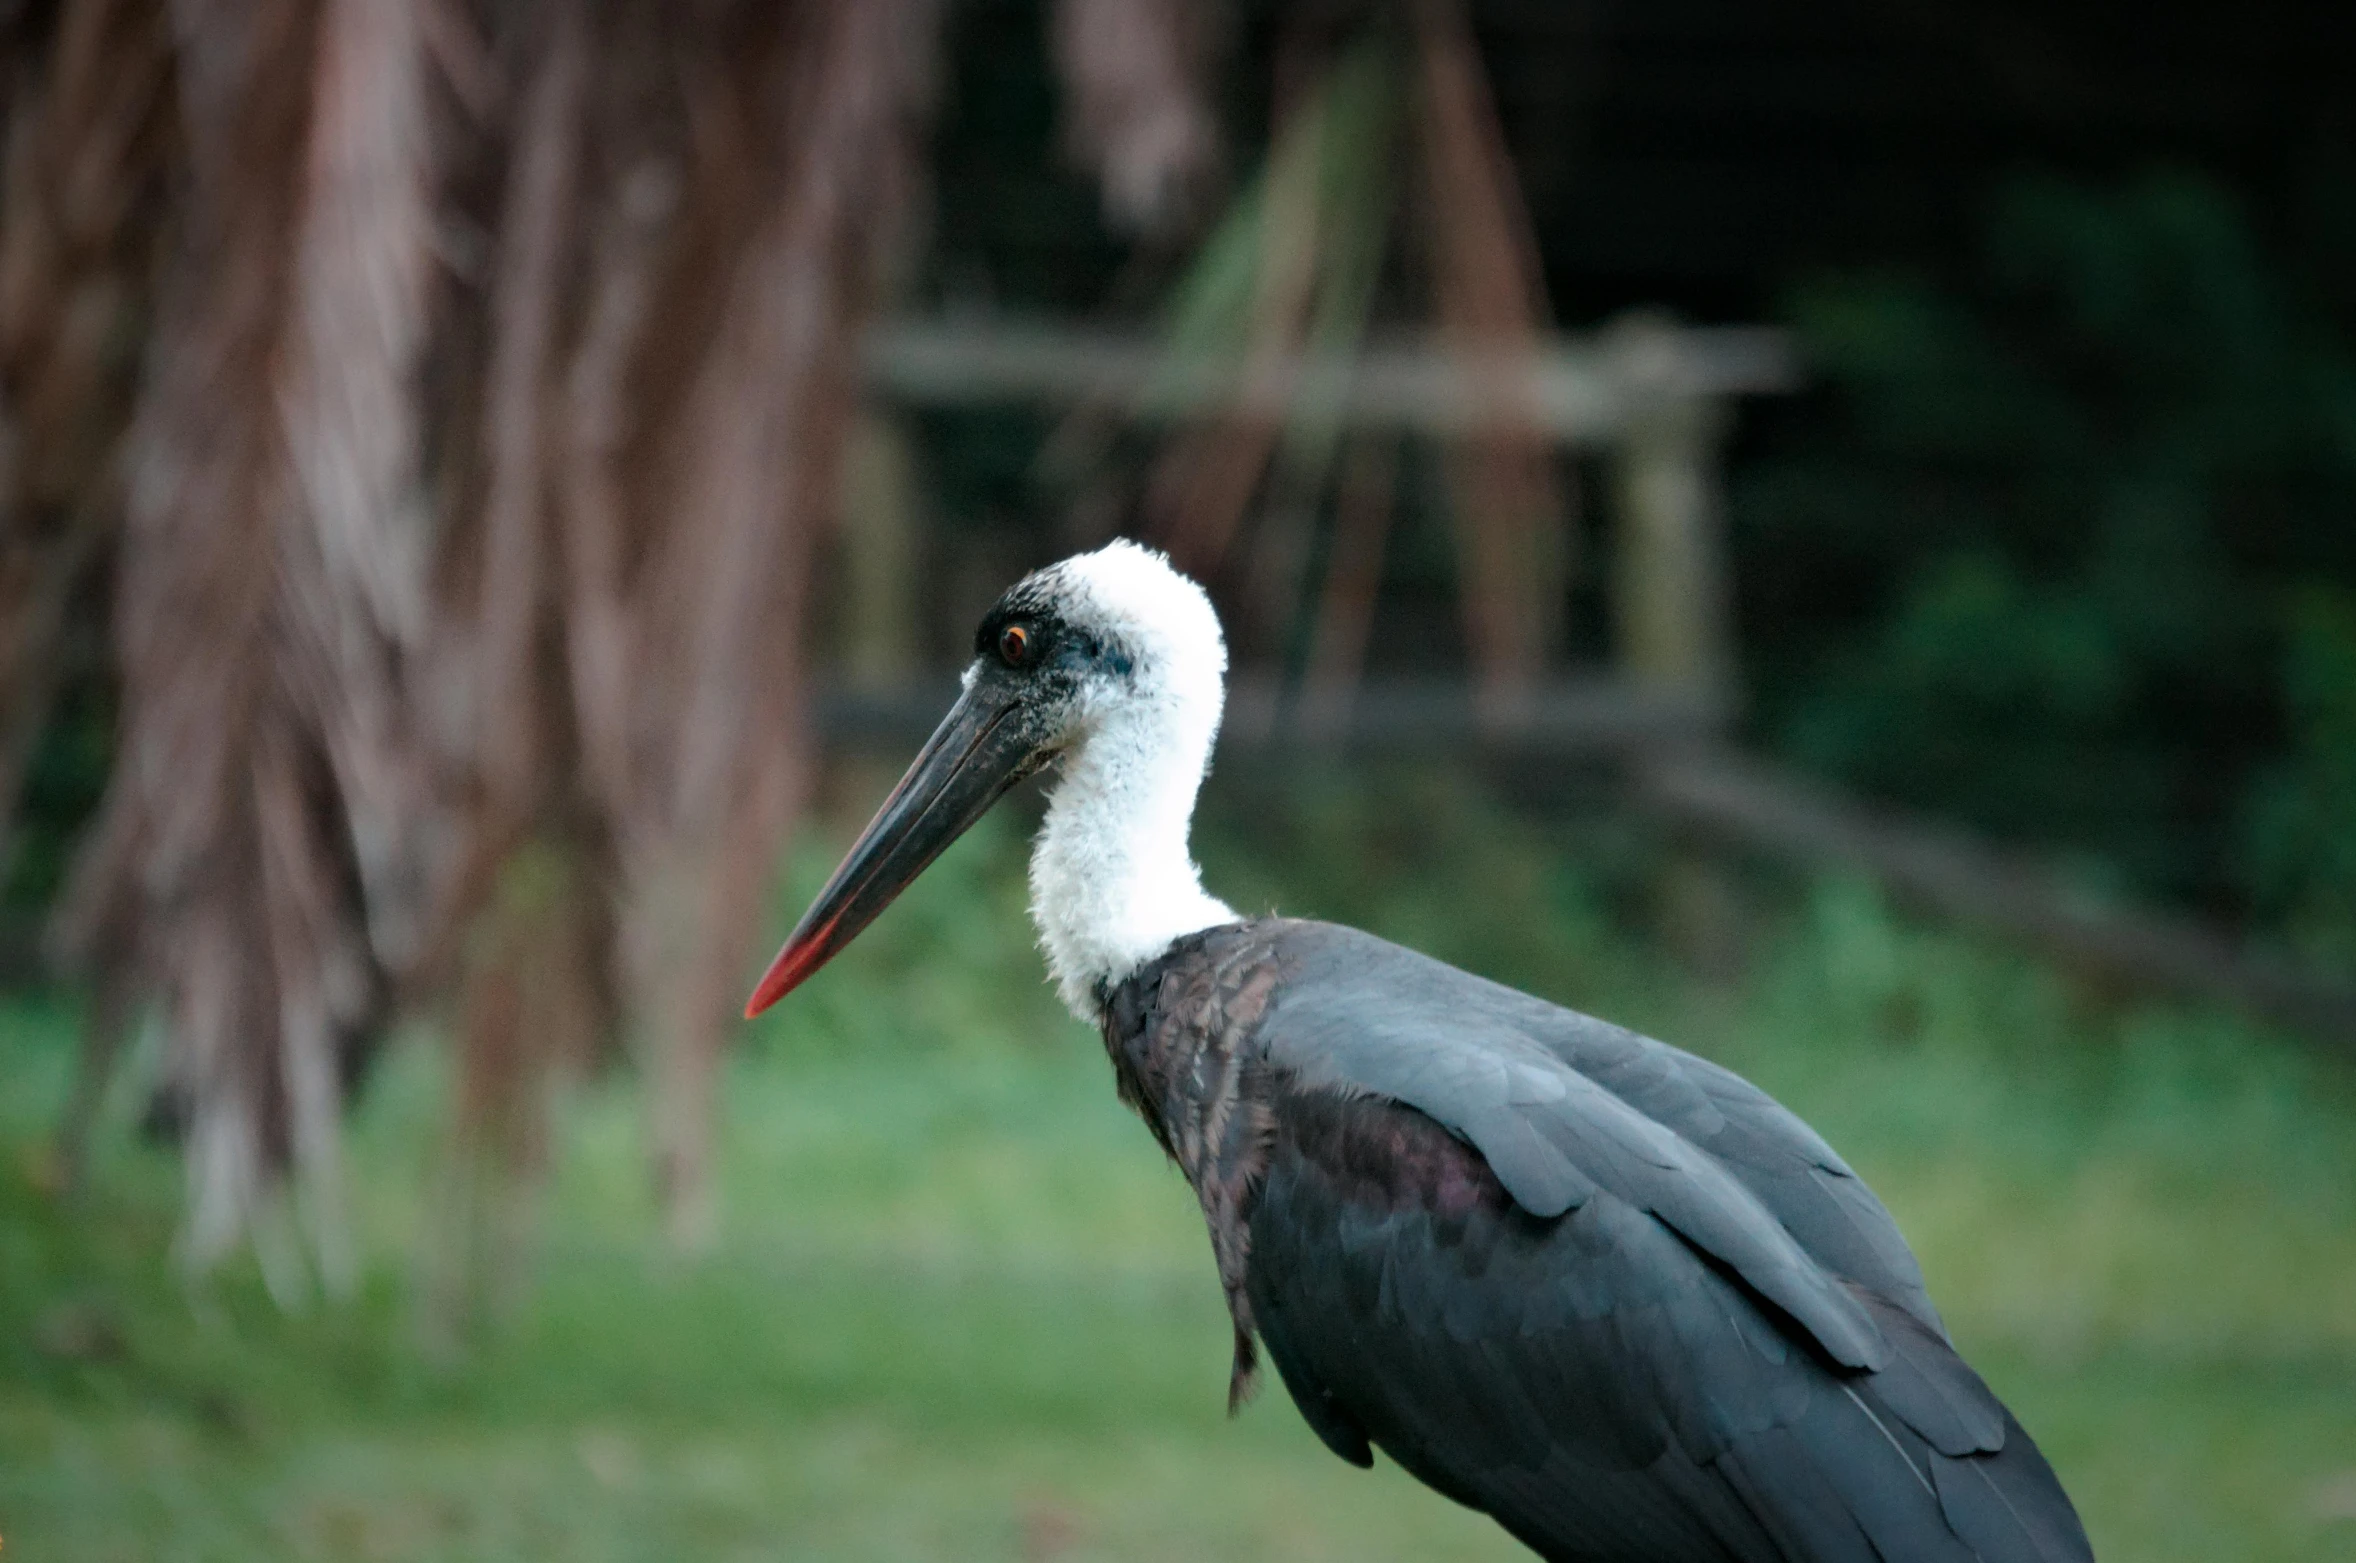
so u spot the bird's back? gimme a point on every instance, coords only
(1604, 1290)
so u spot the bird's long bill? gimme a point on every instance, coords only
(976, 754)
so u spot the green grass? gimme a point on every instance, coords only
(961, 1309)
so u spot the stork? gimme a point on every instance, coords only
(1605, 1291)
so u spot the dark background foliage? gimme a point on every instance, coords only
(2051, 542)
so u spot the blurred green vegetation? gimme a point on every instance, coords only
(962, 1309)
(64, 778)
(2301, 821)
(2042, 552)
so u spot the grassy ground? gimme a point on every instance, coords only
(962, 1310)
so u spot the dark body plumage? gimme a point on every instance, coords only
(1607, 1292)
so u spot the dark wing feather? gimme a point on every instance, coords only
(1779, 1161)
(1815, 1194)
(1511, 1074)
(1595, 1382)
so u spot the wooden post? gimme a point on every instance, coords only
(881, 531)
(1363, 502)
(1673, 599)
(1674, 608)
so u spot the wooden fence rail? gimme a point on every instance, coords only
(1579, 390)
(1653, 397)
(1571, 720)
(1949, 872)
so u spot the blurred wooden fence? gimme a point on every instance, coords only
(1652, 400)
(1592, 390)
(1648, 396)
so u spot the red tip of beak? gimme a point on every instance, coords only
(800, 957)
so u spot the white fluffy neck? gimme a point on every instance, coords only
(1112, 884)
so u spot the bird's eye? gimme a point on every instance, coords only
(1014, 643)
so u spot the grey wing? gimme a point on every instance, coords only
(1359, 1015)
(1787, 1165)
(1594, 1383)
(1521, 1077)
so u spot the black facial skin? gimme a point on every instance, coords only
(1006, 726)
(1055, 659)
(1056, 655)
